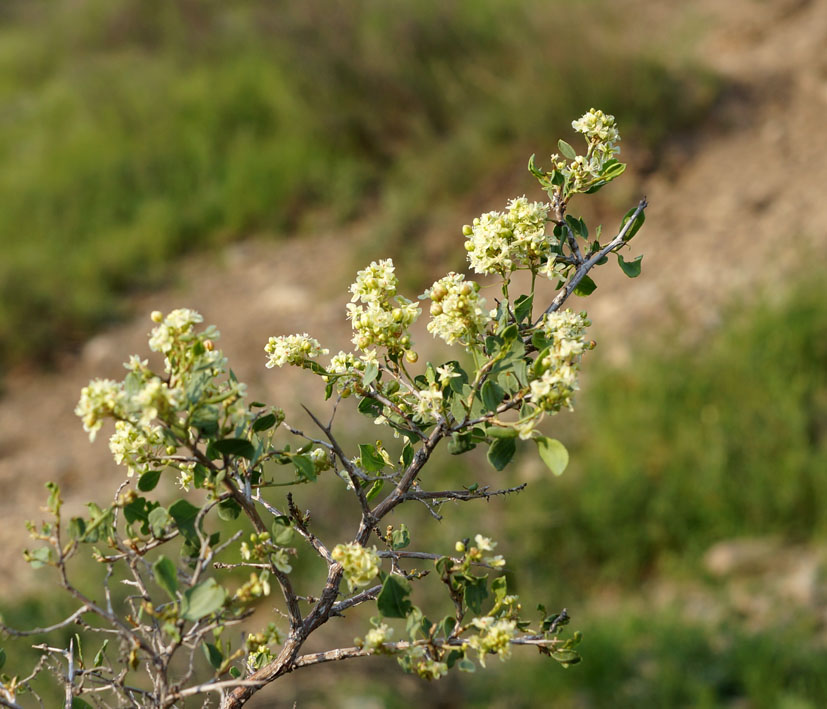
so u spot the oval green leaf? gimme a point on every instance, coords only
(501, 452)
(166, 576)
(553, 454)
(202, 600)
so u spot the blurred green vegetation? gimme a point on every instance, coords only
(135, 130)
(633, 659)
(723, 437)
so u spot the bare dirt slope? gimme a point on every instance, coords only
(741, 205)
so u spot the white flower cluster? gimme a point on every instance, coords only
(257, 587)
(429, 404)
(495, 637)
(558, 379)
(103, 398)
(501, 242)
(131, 445)
(426, 666)
(156, 399)
(321, 459)
(175, 327)
(376, 637)
(360, 565)
(380, 317)
(147, 408)
(348, 369)
(483, 544)
(600, 131)
(458, 312)
(257, 646)
(292, 349)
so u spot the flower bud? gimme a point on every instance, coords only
(460, 547)
(156, 316)
(209, 345)
(411, 356)
(467, 230)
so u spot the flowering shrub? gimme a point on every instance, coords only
(234, 460)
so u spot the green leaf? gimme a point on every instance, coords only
(371, 372)
(466, 665)
(228, 509)
(492, 394)
(264, 422)
(138, 511)
(100, 656)
(400, 538)
(522, 307)
(539, 173)
(392, 600)
(149, 480)
(475, 593)
(636, 226)
(458, 409)
(282, 531)
(630, 268)
(566, 149)
(566, 657)
(553, 453)
(213, 655)
(2, 658)
(460, 443)
(500, 432)
(39, 557)
(79, 647)
(205, 419)
(500, 587)
(77, 529)
(578, 226)
(586, 286)
(305, 468)
(510, 333)
(372, 461)
(235, 673)
(501, 452)
(456, 384)
(612, 169)
(374, 490)
(234, 446)
(369, 407)
(407, 454)
(166, 576)
(184, 514)
(202, 600)
(54, 500)
(159, 519)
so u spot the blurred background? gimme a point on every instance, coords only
(244, 159)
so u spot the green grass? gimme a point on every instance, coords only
(723, 437)
(134, 131)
